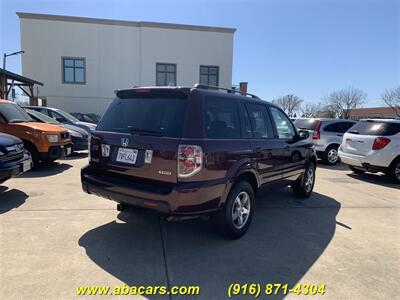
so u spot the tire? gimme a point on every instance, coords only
(33, 153)
(304, 186)
(394, 171)
(233, 221)
(356, 170)
(330, 155)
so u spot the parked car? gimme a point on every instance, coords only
(63, 117)
(326, 134)
(188, 151)
(79, 136)
(44, 142)
(89, 117)
(13, 158)
(373, 145)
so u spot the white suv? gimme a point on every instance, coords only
(373, 145)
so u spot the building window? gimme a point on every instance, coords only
(165, 74)
(74, 70)
(209, 75)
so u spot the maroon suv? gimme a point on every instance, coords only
(186, 151)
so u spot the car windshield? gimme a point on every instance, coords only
(308, 124)
(67, 115)
(375, 128)
(41, 117)
(149, 116)
(14, 113)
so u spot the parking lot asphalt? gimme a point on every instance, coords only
(54, 238)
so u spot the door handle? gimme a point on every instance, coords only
(340, 135)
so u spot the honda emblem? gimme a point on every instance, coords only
(124, 142)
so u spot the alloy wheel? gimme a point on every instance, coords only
(309, 180)
(333, 156)
(241, 210)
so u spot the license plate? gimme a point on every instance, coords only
(26, 165)
(68, 151)
(127, 155)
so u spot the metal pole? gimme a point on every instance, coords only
(4, 76)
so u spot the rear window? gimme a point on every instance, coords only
(145, 116)
(308, 124)
(375, 128)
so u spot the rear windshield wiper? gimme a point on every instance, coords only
(353, 131)
(145, 131)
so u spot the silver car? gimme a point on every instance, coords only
(326, 134)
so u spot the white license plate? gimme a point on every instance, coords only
(68, 151)
(26, 165)
(127, 155)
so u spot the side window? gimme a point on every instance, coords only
(57, 117)
(347, 126)
(44, 111)
(335, 127)
(283, 125)
(260, 121)
(222, 118)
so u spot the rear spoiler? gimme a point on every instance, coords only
(153, 92)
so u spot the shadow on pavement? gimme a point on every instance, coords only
(10, 199)
(285, 239)
(376, 178)
(46, 169)
(76, 155)
(338, 167)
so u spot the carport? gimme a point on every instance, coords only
(8, 80)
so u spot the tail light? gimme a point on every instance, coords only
(380, 143)
(190, 160)
(317, 132)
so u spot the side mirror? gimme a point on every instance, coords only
(304, 134)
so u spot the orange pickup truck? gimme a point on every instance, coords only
(44, 142)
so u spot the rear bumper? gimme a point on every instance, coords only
(367, 163)
(56, 152)
(13, 169)
(178, 199)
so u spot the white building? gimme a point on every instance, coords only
(81, 61)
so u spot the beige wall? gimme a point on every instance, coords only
(116, 56)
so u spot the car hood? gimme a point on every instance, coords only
(40, 126)
(8, 140)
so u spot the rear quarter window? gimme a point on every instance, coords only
(222, 118)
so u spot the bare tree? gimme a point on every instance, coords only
(392, 99)
(343, 101)
(310, 110)
(289, 103)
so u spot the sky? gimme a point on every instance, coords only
(307, 48)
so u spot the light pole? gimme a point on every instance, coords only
(5, 55)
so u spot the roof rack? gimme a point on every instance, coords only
(229, 91)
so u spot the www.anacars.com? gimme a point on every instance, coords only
(137, 290)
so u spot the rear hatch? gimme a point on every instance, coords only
(138, 136)
(307, 124)
(360, 138)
